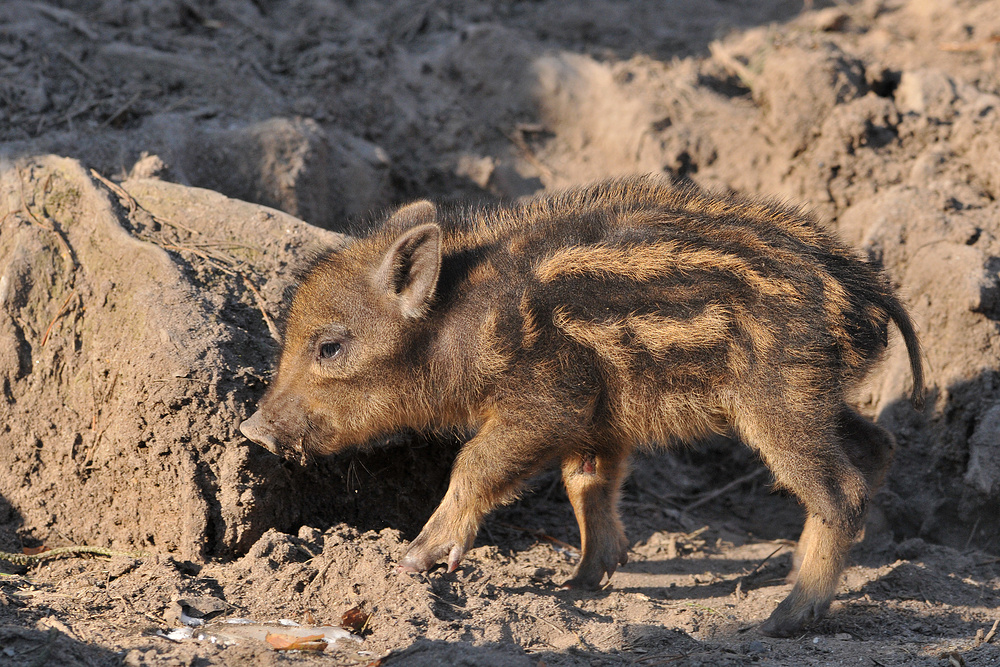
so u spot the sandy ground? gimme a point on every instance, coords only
(134, 311)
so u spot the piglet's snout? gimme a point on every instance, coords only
(256, 428)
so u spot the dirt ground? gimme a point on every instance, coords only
(166, 168)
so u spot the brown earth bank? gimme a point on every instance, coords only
(140, 301)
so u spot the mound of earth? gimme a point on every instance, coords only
(168, 167)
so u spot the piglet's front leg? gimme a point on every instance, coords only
(448, 534)
(487, 473)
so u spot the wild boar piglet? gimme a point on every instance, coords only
(576, 327)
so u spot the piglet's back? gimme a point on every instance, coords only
(634, 288)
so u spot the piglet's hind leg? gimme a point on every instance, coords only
(593, 484)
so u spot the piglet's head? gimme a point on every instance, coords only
(350, 342)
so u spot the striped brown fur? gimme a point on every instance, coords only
(576, 327)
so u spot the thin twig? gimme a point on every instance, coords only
(129, 201)
(761, 564)
(59, 313)
(67, 18)
(550, 624)
(122, 109)
(126, 199)
(725, 489)
(175, 225)
(76, 64)
(727, 60)
(517, 138)
(275, 334)
(663, 658)
(542, 536)
(225, 244)
(972, 533)
(205, 256)
(73, 113)
(67, 251)
(992, 633)
(693, 534)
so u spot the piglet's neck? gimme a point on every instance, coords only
(456, 382)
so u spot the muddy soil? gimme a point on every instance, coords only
(167, 167)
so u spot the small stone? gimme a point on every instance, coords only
(756, 646)
(926, 92)
(310, 535)
(149, 166)
(843, 636)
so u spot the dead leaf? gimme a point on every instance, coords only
(281, 642)
(355, 620)
(34, 551)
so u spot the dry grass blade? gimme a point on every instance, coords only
(213, 262)
(725, 489)
(969, 47)
(76, 64)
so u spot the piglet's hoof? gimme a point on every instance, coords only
(793, 615)
(417, 562)
(598, 562)
(589, 576)
(583, 583)
(420, 559)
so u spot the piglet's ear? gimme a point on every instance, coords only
(409, 270)
(411, 215)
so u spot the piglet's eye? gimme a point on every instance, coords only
(329, 350)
